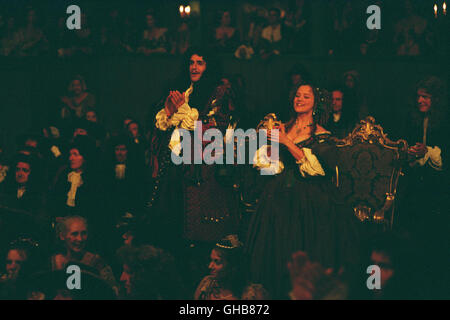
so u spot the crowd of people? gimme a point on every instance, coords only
(244, 30)
(139, 226)
(142, 227)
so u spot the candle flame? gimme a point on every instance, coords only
(188, 9)
(444, 6)
(435, 8)
(181, 9)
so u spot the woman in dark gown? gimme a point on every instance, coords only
(299, 208)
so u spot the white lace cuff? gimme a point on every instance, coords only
(310, 165)
(175, 142)
(184, 118)
(262, 160)
(162, 121)
(432, 157)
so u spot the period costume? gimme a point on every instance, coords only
(299, 209)
(189, 202)
(426, 184)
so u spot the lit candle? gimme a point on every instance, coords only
(435, 10)
(444, 8)
(188, 10)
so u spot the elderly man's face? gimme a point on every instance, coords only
(22, 172)
(75, 238)
(14, 262)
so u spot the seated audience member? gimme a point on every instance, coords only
(31, 39)
(311, 281)
(251, 40)
(153, 38)
(34, 144)
(82, 42)
(138, 144)
(129, 231)
(23, 190)
(341, 121)
(149, 273)
(9, 38)
(73, 232)
(123, 178)
(98, 131)
(75, 189)
(228, 279)
(76, 103)
(296, 27)
(372, 44)
(225, 36)
(181, 39)
(114, 37)
(410, 31)
(426, 130)
(397, 259)
(20, 263)
(33, 141)
(272, 35)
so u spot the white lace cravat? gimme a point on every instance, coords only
(20, 192)
(75, 179)
(120, 171)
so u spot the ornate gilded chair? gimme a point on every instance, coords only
(369, 167)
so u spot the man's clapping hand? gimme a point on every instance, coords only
(419, 150)
(174, 101)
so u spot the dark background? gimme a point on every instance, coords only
(132, 85)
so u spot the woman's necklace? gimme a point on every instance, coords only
(298, 129)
